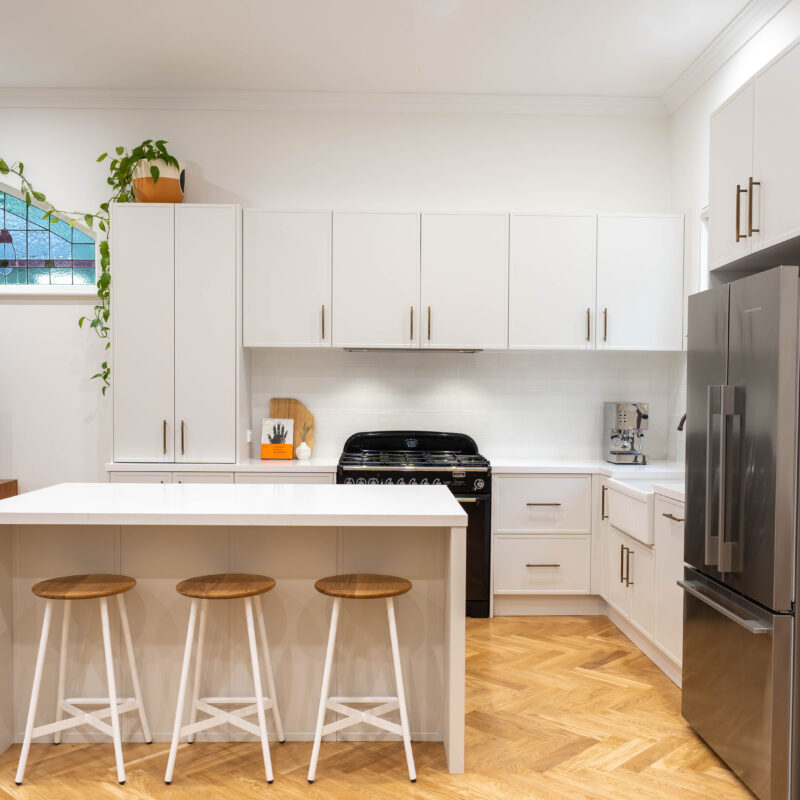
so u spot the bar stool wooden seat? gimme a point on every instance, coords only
(85, 587)
(362, 586)
(228, 586)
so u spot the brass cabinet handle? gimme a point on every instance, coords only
(739, 192)
(628, 581)
(542, 504)
(411, 326)
(182, 437)
(543, 565)
(603, 515)
(323, 320)
(588, 325)
(622, 550)
(429, 323)
(750, 229)
(605, 324)
(165, 437)
(672, 517)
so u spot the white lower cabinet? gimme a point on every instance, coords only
(542, 564)
(140, 477)
(202, 477)
(669, 517)
(630, 579)
(285, 477)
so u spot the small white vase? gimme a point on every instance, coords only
(303, 452)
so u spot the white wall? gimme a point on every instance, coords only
(539, 404)
(55, 425)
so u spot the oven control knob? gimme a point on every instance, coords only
(400, 480)
(412, 480)
(424, 481)
(349, 480)
(388, 481)
(479, 483)
(436, 481)
(373, 480)
(361, 480)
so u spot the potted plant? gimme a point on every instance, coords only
(146, 174)
(303, 450)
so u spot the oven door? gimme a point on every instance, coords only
(479, 528)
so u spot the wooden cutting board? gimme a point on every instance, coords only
(289, 408)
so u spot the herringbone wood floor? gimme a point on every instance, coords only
(558, 708)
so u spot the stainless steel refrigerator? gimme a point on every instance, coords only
(740, 588)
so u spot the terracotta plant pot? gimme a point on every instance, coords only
(168, 188)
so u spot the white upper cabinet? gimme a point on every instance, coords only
(376, 280)
(287, 279)
(205, 333)
(465, 280)
(143, 319)
(552, 267)
(639, 282)
(776, 155)
(174, 315)
(730, 170)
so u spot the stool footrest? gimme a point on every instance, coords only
(370, 716)
(80, 717)
(218, 716)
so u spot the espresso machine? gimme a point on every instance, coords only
(624, 425)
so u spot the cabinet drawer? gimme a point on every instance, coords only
(542, 504)
(542, 564)
(284, 477)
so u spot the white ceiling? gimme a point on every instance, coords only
(612, 48)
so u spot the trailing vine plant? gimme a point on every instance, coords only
(120, 180)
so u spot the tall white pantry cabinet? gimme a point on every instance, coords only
(174, 317)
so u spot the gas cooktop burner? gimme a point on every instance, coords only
(406, 460)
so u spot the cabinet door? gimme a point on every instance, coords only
(202, 477)
(640, 574)
(376, 280)
(600, 526)
(552, 266)
(205, 333)
(140, 477)
(639, 282)
(617, 593)
(776, 156)
(668, 571)
(465, 280)
(730, 166)
(142, 308)
(287, 279)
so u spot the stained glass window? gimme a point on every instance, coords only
(35, 251)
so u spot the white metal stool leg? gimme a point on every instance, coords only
(323, 697)
(258, 689)
(62, 669)
(270, 677)
(187, 658)
(37, 682)
(112, 690)
(401, 696)
(198, 661)
(137, 688)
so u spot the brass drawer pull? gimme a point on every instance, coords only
(588, 325)
(628, 581)
(603, 515)
(672, 517)
(543, 565)
(429, 323)
(622, 550)
(411, 326)
(538, 505)
(605, 324)
(165, 437)
(323, 321)
(182, 437)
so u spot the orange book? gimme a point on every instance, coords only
(277, 438)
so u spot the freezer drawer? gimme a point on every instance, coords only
(737, 682)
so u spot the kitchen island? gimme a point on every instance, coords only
(163, 533)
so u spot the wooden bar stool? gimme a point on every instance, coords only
(85, 587)
(226, 587)
(362, 587)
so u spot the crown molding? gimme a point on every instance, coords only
(743, 27)
(333, 101)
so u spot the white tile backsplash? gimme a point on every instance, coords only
(545, 404)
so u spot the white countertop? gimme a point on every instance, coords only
(325, 505)
(655, 470)
(674, 490)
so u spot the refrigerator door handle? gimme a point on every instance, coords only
(709, 597)
(731, 405)
(711, 541)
